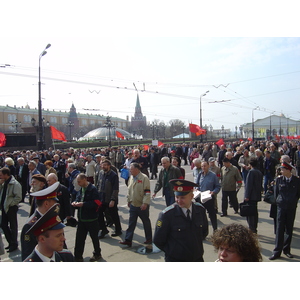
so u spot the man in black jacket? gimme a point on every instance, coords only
(269, 169)
(22, 172)
(88, 204)
(253, 189)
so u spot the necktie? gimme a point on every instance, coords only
(188, 214)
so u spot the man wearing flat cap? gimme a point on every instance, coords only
(49, 232)
(45, 199)
(287, 194)
(182, 226)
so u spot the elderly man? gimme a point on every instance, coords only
(182, 227)
(141, 160)
(208, 181)
(138, 200)
(230, 179)
(197, 168)
(10, 196)
(22, 176)
(32, 170)
(63, 196)
(90, 168)
(167, 173)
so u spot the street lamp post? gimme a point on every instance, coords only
(257, 107)
(201, 136)
(41, 134)
(222, 127)
(109, 125)
(183, 128)
(17, 124)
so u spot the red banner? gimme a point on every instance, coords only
(120, 135)
(2, 139)
(196, 129)
(220, 142)
(57, 135)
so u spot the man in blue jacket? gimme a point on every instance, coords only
(208, 181)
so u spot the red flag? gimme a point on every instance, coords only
(146, 147)
(220, 142)
(2, 139)
(160, 143)
(120, 135)
(196, 129)
(249, 139)
(57, 135)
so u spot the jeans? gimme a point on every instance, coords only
(267, 179)
(170, 199)
(134, 213)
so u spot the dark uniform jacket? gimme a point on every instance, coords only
(286, 193)
(61, 256)
(63, 196)
(91, 204)
(181, 238)
(28, 241)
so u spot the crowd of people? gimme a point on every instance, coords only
(86, 181)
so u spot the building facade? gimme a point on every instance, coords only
(14, 119)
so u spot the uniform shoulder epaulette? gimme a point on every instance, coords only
(168, 208)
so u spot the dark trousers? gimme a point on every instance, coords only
(9, 224)
(210, 207)
(284, 230)
(233, 201)
(83, 228)
(113, 212)
(267, 179)
(253, 220)
(134, 213)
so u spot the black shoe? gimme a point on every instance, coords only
(103, 234)
(116, 233)
(12, 249)
(289, 255)
(7, 247)
(273, 257)
(223, 215)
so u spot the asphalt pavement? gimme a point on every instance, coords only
(113, 252)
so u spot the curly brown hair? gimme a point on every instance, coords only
(241, 239)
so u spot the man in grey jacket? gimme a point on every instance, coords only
(167, 173)
(10, 196)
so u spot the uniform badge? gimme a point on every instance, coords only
(180, 189)
(159, 223)
(27, 238)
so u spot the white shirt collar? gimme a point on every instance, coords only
(184, 210)
(43, 257)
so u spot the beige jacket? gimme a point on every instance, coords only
(138, 190)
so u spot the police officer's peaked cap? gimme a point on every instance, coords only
(49, 221)
(47, 193)
(182, 187)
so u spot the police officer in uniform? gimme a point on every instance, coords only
(182, 226)
(287, 194)
(45, 199)
(49, 232)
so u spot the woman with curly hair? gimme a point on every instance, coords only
(236, 243)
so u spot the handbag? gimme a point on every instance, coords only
(247, 209)
(269, 197)
(125, 174)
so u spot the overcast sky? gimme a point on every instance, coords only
(102, 73)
